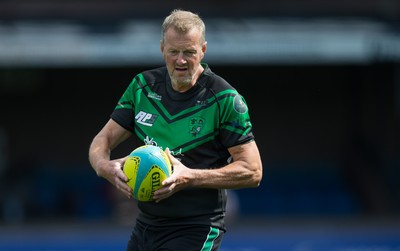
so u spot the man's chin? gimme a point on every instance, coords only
(182, 80)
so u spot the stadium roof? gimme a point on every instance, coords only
(230, 41)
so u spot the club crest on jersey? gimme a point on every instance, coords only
(145, 118)
(239, 105)
(195, 125)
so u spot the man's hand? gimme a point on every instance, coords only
(178, 180)
(112, 171)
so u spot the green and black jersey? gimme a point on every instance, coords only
(198, 126)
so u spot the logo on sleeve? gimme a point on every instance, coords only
(145, 118)
(239, 105)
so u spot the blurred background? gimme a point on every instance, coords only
(321, 78)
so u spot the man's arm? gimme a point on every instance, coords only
(110, 136)
(244, 171)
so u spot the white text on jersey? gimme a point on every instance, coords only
(145, 118)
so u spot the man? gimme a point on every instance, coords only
(203, 124)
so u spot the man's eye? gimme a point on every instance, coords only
(189, 53)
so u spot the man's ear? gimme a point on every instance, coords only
(161, 46)
(204, 49)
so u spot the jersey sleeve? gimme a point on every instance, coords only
(236, 127)
(124, 111)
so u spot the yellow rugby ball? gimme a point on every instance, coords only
(146, 167)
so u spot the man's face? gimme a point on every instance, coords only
(182, 54)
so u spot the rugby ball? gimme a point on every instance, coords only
(146, 167)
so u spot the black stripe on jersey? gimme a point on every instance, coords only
(236, 126)
(210, 135)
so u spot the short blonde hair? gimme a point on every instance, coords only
(183, 21)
